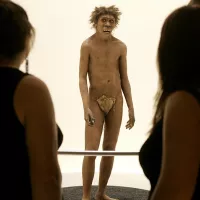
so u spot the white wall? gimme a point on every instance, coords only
(61, 26)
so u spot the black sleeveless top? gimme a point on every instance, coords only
(14, 168)
(150, 156)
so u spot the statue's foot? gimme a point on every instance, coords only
(104, 197)
(85, 198)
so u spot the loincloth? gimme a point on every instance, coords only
(106, 103)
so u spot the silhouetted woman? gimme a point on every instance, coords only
(29, 168)
(170, 157)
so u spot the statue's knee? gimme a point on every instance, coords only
(91, 148)
(109, 147)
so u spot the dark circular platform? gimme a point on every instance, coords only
(121, 193)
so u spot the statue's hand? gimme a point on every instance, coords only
(89, 118)
(131, 121)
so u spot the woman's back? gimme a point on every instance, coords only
(14, 168)
(29, 162)
(28, 147)
(151, 154)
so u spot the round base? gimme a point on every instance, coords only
(122, 193)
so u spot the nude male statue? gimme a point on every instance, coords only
(103, 59)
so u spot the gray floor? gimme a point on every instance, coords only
(121, 193)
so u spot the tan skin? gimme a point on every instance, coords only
(103, 59)
(35, 111)
(181, 148)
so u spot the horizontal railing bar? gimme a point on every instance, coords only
(99, 153)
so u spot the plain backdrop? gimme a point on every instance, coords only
(61, 26)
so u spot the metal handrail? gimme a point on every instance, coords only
(99, 153)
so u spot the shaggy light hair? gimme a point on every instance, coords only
(102, 10)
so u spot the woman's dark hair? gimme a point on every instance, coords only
(194, 2)
(15, 29)
(178, 56)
